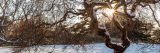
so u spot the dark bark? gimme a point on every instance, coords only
(124, 38)
(89, 11)
(117, 48)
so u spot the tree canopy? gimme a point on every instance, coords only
(21, 18)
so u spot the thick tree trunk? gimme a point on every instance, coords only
(124, 38)
(117, 48)
(91, 12)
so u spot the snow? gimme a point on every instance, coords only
(90, 48)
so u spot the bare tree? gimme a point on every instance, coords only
(56, 13)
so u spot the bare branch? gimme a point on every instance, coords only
(154, 16)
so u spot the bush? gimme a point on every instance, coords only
(34, 31)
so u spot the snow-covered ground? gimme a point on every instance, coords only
(90, 48)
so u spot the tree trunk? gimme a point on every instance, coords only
(124, 38)
(91, 12)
